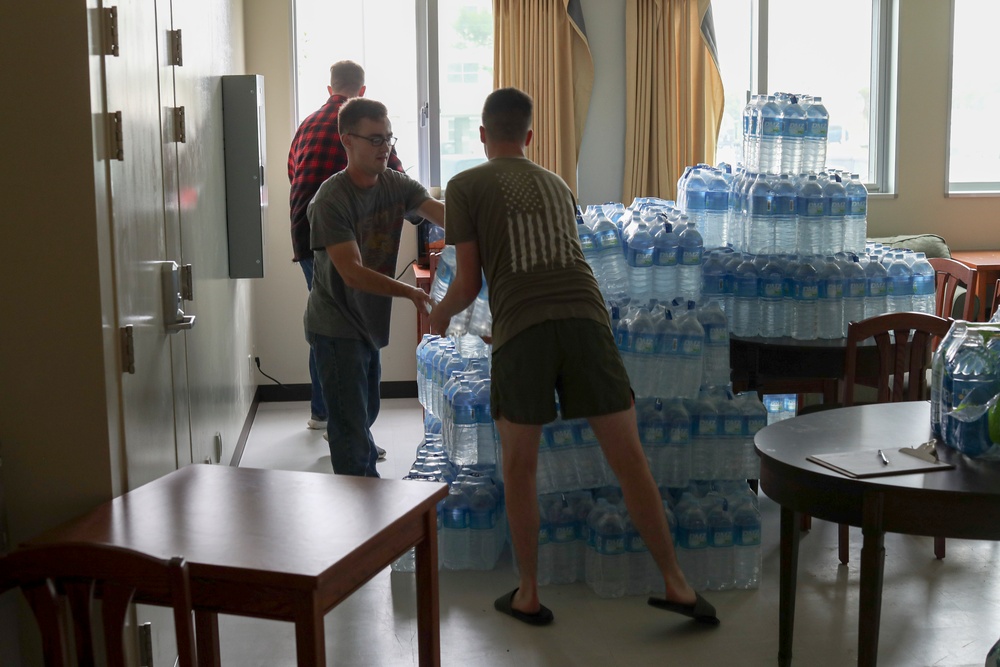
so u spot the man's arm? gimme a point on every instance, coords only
(433, 210)
(464, 286)
(346, 258)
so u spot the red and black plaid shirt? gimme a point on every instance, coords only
(316, 154)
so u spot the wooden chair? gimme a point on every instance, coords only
(996, 299)
(904, 342)
(63, 581)
(950, 274)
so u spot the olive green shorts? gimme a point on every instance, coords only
(575, 358)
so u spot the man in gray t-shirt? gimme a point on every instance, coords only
(356, 220)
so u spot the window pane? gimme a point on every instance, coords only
(733, 23)
(465, 62)
(974, 160)
(825, 49)
(377, 35)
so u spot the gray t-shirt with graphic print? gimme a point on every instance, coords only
(373, 218)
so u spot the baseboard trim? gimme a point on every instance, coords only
(273, 393)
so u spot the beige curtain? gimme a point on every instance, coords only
(674, 97)
(540, 48)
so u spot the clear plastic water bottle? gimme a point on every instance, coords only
(856, 220)
(730, 455)
(716, 366)
(692, 345)
(668, 360)
(814, 142)
(611, 562)
(486, 437)
(609, 250)
(589, 247)
(720, 548)
(924, 299)
(443, 274)
(466, 425)
(675, 465)
(771, 290)
(806, 295)
(665, 263)
(793, 130)
(455, 530)
(783, 215)
(746, 546)
(692, 541)
(974, 380)
(642, 349)
(705, 438)
(639, 563)
(876, 289)
(715, 230)
(737, 195)
(761, 222)
(690, 253)
(695, 190)
(713, 279)
(830, 304)
(746, 308)
(899, 284)
(485, 541)
(835, 216)
(733, 262)
(810, 213)
(562, 542)
(769, 160)
(755, 417)
(750, 136)
(855, 286)
(640, 265)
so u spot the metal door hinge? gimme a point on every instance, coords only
(127, 345)
(176, 47)
(146, 645)
(180, 131)
(115, 136)
(111, 31)
(187, 283)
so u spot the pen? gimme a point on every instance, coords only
(885, 461)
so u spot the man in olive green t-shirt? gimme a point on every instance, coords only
(516, 222)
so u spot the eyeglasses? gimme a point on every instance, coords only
(376, 140)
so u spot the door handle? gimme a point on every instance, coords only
(174, 319)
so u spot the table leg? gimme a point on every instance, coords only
(790, 532)
(206, 629)
(872, 568)
(428, 630)
(310, 641)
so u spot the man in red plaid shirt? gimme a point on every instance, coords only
(316, 154)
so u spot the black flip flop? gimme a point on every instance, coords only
(504, 604)
(701, 611)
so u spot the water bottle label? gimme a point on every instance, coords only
(636, 544)
(456, 518)
(717, 200)
(733, 426)
(587, 242)
(713, 285)
(640, 258)
(665, 256)
(621, 339)
(653, 434)
(669, 343)
(643, 343)
(722, 538)
(708, 425)
(856, 288)
(814, 208)
(464, 414)
(694, 200)
(794, 127)
(806, 291)
(610, 545)
(587, 434)
(747, 536)
(544, 536)
(747, 287)
(691, 256)
(831, 289)
(607, 240)
(859, 206)
(562, 435)
(876, 288)
(817, 128)
(755, 424)
(564, 534)
(771, 127)
(923, 285)
(693, 539)
(691, 346)
(680, 435)
(762, 205)
(717, 334)
(901, 286)
(773, 290)
(838, 207)
(482, 520)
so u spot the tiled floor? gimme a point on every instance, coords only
(942, 613)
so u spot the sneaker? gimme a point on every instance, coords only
(381, 452)
(316, 424)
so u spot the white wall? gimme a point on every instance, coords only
(919, 204)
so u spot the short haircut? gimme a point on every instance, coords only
(507, 115)
(356, 109)
(347, 77)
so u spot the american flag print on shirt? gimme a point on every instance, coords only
(534, 206)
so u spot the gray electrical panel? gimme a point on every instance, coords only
(246, 190)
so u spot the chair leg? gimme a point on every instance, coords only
(843, 543)
(806, 522)
(939, 547)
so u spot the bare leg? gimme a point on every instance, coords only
(520, 465)
(618, 434)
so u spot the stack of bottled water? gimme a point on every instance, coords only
(965, 389)
(780, 407)
(785, 133)
(570, 458)
(474, 528)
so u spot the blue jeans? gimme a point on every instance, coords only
(350, 371)
(317, 405)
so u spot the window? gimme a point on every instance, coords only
(431, 65)
(974, 145)
(840, 52)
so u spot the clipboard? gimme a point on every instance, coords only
(868, 463)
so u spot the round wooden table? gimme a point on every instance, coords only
(963, 502)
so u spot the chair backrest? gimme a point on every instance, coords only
(996, 299)
(62, 582)
(950, 274)
(903, 342)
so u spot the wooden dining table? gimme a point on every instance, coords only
(275, 544)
